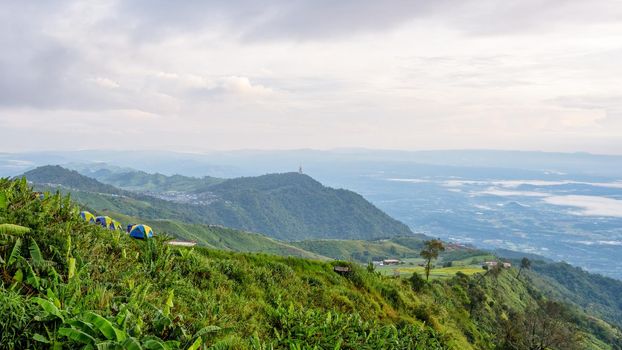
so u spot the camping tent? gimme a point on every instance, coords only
(105, 221)
(141, 231)
(116, 225)
(88, 217)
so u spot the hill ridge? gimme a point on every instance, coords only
(286, 206)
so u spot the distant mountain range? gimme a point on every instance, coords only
(287, 206)
(323, 164)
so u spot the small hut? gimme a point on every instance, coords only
(342, 270)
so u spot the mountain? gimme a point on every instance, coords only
(55, 175)
(597, 294)
(287, 206)
(69, 284)
(302, 207)
(134, 180)
(323, 164)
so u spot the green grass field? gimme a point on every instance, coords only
(469, 266)
(405, 270)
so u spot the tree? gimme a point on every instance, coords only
(524, 264)
(430, 251)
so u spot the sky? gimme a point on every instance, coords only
(202, 75)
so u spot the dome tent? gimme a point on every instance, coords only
(87, 216)
(116, 225)
(141, 232)
(105, 222)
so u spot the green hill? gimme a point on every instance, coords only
(218, 237)
(69, 284)
(142, 181)
(293, 206)
(54, 175)
(287, 206)
(598, 295)
(360, 250)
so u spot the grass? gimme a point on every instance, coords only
(71, 284)
(437, 273)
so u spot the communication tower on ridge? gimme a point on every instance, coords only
(300, 169)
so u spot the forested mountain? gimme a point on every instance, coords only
(135, 180)
(56, 175)
(288, 206)
(294, 206)
(70, 284)
(598, 295)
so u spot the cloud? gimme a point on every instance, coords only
(272, 19)
(392, 74)
(589, 205)
(608, 106)
(321, 19)
(105, 82)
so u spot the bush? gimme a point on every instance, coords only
(417, 283)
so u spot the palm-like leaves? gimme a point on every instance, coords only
(13, 230)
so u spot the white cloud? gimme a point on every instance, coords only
(589, 205)
(398, 74)
(105, 82)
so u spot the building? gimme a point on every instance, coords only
(182, 243)
(390, 262)
(342, 270)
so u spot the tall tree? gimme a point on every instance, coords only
(524, 264)
(430, 251)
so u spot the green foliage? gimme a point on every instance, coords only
(57, 175)
(93, 290)
(597, 294)
(13, 230)
(295, 328)
(417, 282)
(287, 206)
(364, 251)
(142, 181)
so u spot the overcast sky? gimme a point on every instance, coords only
(277, 74)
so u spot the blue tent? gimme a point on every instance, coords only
(141, 231)
(88, 217)
(105, 222)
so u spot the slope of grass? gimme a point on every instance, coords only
(218, 237)
(441, 272)
(357, 250)
(68, 284)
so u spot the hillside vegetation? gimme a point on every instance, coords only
(598, 295)
(287, 206)
(218, 237)
(142, 181)
(69, 284)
